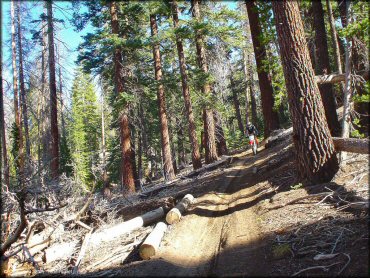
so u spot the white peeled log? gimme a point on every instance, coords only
(125, 227)
(151, 244)
(60, 251)
(174, 215)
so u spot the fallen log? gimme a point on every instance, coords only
(352, 145)
(85, 243)
(336, 78)
(175, 214)
(59, 251)
(151, 243)
(125, 227)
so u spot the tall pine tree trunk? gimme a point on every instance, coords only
(317, 161)
(5, 167)
(22, 87)
(245, 70)
(125, 134)
(334, 37)
(208, 122)
(53, 96)
(19, 155)
(236, 104)
(195, 155)
(270, 117)
(166, 148)
(323, 67)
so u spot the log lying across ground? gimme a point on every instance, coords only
(174, 215)
(125, 227)
(336, 78)
(60, 251)
(352, 145)
(150, 246)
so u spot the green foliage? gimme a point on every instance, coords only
(85, 128)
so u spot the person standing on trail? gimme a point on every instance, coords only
(251, 130)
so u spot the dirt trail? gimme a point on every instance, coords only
(219, 235)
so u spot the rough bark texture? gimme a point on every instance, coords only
(237, 105)
(209, 126)
(17, 112)
(53, 96)
(323, 67)
(317, 161)
(22, 88)
(166, 149)
(195, 155)
(127, 173)
(270, 117)
(220, 136)
(353, 145)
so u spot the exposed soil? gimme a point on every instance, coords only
(239, 226)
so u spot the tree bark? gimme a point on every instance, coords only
(247, 91)
(209, 126)
(336, 77)
(17, 110)
(323, 67)
(195, 155)
(5, 167)
(236, 105)
(53, 96)
(125, 134)
(270, 117)
(317, 161)
(334, 36)
(352, 145)
(166, 149)
(22, 88)
(220, 136)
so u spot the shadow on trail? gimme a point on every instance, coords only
(264, 257)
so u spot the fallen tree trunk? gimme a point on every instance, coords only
(151, 243)
(59, 251)
(352, 145)
(175, 214)
(336, 78)
(125, 227)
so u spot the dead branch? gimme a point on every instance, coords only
(323, 267)
(17, 233)
(303, 198)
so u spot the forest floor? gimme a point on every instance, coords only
(251, 218)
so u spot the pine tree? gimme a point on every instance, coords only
(85, 134)
(317, 159)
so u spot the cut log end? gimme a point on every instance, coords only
(173, 216)
(147, 251)
(151, 244)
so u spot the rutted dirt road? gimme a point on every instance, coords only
(220, 235)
